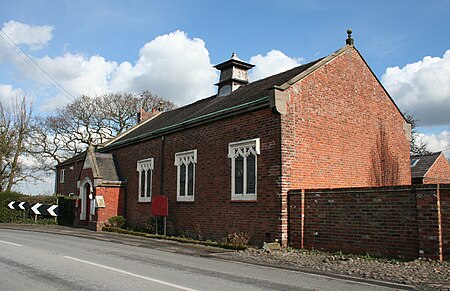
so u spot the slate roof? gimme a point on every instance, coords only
(248, 93)
(106, 166)
(422, 163)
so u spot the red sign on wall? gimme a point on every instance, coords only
(160, 205)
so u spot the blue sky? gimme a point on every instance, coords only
(169, 47)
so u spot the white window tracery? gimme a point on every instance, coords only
(145, 170)
(243, 155)
(185, 162)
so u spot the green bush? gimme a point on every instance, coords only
(117, 221)
(17, 216)
(8, 215)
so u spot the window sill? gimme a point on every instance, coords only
(185, 199)
(243, 201)
(244, 197)
(145, 200)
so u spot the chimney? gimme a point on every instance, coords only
(233, 74)
(144, 115)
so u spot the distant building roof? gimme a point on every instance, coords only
(78, 157)
(420, 164)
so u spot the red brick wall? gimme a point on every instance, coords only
(212, 214)
(113, 197)
(72, 172)
(388, 221)
(445, 217)
(439, 172)
(341, 130)
(376, 221)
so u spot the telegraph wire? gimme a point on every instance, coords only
(34, 64)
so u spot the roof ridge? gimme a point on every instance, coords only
(245, 94)
(426, 155)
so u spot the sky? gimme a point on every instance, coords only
(56, 50)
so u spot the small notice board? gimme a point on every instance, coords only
(160, 206)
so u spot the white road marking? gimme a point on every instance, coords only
(131, 274)
(10, 243)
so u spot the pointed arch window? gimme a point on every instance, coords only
(243, 155)
(145, 170)
(185, 162)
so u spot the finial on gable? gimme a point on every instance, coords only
(349, 40)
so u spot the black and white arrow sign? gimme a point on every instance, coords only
(53, 210)
(45, 210)
(19, 205)
(35, 207)
(24, 205)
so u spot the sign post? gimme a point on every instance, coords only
(160, 207)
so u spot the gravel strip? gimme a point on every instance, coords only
(423, 274)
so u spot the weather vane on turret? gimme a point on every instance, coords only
(349, 40)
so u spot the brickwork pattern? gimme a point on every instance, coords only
(389, 221)
(342, 130)
(71, 174)
(445, 217)
(212, 214)
(439, 172)
(113, 197)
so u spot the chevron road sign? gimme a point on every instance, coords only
(19, 205)
(35, 207)
(45, 210)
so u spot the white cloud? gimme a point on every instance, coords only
(422, 88)
(171, 65)
(34, 36)
(8, 94)
(77, 74)
(437, 142)
(272, 63)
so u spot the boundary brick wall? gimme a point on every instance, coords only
(445, 217)
(402, 221)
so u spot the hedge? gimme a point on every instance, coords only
(16, 216)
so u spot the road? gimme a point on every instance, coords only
(47, 261)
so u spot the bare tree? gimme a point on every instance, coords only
(15, 126)
(417, 145)
(88, 121)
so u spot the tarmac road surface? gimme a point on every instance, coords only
(59, 261)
